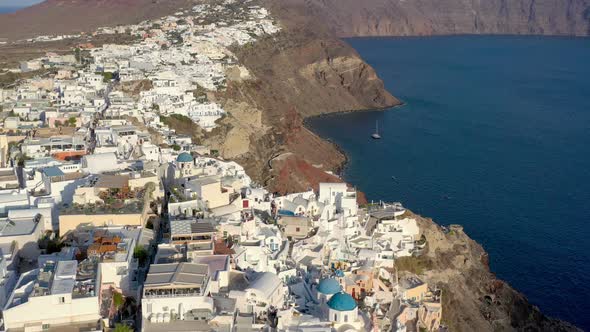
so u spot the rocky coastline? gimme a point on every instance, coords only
(476, 300)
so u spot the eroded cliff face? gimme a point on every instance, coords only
(473, 298)
(303, 71)
(436, 17)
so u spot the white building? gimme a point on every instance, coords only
(265, 291)
(113, 248)
(57, 295)
(176, 291)
(100, 163)
(342, 309)
(339, 195)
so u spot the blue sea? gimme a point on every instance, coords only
(494, 135)
(6, 10)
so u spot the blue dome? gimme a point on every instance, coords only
(339, 273)
(286, 213)
(342, 302)
(329, 286)
(184, 158)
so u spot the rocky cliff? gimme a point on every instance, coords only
(435, 17)
(473, 298)
(303, 71)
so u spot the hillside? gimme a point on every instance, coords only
(303, 71)
(435, 17)
(73, 16)
(473, 298)
(343, 17)
(306, 71)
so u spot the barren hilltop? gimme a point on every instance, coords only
(73, 16)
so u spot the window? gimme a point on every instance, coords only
(297, 229)
(335, 317)
(149, 307)
(165, 308)
(62, 300)
(45, 326)
(346, 318)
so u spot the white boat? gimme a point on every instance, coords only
(376, 134)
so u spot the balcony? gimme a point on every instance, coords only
(163, 293)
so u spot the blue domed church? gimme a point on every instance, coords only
(342, 308)
(337, 306)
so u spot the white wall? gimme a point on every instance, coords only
(48, 310)
(179, 305)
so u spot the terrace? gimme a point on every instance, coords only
(176, 279)
(114, 201)
(386, 211)
(8, 177)
(78, 279)
(85, 284)
(173, 292)
(177, 195)
(109, 248)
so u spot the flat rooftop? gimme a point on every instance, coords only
(112, 181)
(180, 274)
(18, 227)
(63, 277)
(386, 213)
(107, 244)
(190, 226)
(179, 326)
(410, 282)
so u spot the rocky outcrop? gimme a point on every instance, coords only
(473, 298)
(436, 17)
(303, 71)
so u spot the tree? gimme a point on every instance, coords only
(21, 160)
(149, 224)
(72, 121)
(176, 147)
(120, 327)
(77, 54)
(54, 246)
(140, 254)
(118, 300)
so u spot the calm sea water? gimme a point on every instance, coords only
(6, 10)
(495, 135)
